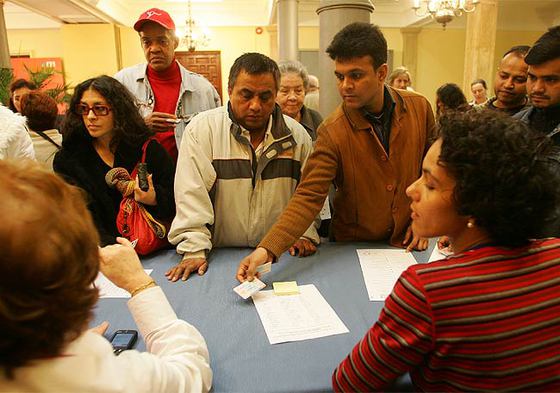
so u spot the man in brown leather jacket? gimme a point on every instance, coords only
(371, 147)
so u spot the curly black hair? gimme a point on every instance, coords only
(507, 176)
(357, 40)
(129, 127)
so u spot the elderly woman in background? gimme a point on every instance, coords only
(486, 318)
(49, 261)
(400, 78)
(293, 85)
(18, 89)
(104, 130)
(41, 113)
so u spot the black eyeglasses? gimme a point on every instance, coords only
(98, 109)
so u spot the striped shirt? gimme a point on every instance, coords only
(487, 319)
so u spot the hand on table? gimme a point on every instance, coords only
(414, 242)
(248, 265)
(444, 245)
(303, 248)
(186, 267)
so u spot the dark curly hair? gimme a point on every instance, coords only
(40, 109)
(129, 127)
(357, 40)
(18, 84)
(507, 177)
(452, 98)
(49, 261)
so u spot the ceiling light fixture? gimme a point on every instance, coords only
(193, 37)
(443, 11)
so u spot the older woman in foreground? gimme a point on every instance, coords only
(487, 317)
(49, 261)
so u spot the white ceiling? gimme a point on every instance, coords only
(39, 14)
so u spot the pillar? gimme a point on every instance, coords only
(410, 50)
(480, 44)
(333, 16)
(287, 29)
(4, 49)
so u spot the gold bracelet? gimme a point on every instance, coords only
(149, 284)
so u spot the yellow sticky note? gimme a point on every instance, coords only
(285, 288)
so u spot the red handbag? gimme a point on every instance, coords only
(134, 222)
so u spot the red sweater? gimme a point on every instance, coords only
(487, 319)
(166, 86)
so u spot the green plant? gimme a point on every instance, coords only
(6, 76)
(41, 78)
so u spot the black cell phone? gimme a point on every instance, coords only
(123, 340)
(143, 176)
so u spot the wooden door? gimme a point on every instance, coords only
(206, 63)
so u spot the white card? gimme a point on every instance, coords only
(264, 268)
(249, 288)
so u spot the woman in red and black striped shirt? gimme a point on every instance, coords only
(488, 317)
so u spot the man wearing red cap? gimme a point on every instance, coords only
(168, 93)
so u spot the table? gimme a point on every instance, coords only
(241, 357)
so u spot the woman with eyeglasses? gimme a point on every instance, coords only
(103, 130)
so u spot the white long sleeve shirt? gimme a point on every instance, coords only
(177, 359)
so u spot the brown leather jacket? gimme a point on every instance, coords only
(370, 202)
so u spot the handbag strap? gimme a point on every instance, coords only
(48, 138)
(143, 159)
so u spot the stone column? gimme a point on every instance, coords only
(333, 16)
(287, 29)
(480, 44)
(4, 50)
(410, 50)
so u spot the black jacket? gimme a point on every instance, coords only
(80, 165)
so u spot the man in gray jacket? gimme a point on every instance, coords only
(543, 85)
(167, 93)
(238, 167)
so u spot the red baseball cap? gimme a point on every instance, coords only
(156, 15)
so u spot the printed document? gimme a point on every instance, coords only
(297, 317)
(381, 269)
(108, 289)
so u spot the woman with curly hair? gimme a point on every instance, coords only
(487, 317)
(49, 261)
(103, 130)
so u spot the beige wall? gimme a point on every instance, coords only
(440, 60)
(36, 43)
(90, 50)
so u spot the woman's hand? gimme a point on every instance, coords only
(120, 264)
(145, 197)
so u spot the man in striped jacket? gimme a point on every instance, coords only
(238, 167)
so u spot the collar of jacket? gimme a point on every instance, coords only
(281, 134)
(187, 83)
(358, 120)
(306, 119)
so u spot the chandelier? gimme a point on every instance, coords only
(193, 37)
(443, 11)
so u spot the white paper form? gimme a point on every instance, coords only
(436, 255)
(108, 289)
(297, 317)
(381, 269)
